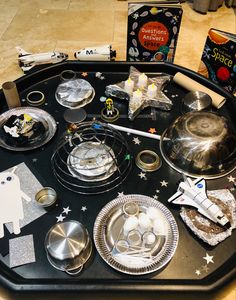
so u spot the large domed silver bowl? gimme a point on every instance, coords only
(200, 144)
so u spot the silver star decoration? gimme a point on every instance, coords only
(232, 189)
(135, 107)
(208, 258)
(66, 210)
(231, 178)
(164, 183)
(155, 197)
(60, 218)
(205, 268)
(142, 175)
(120, 194)
(34, 160)
(136, 140)
(157, 191)
(198, 272)
(83, 208)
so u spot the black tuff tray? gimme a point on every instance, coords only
(180, 274)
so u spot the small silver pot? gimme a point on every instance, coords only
(68, 246)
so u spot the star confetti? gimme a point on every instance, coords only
(208, 258)
(34, 160)
(120, 194)
(136, 140)
(231, 179)
(84, 74)
(83, 208)
(157, 191)
(164, 183)
(60, 218)
(66, 210)
(152, 130)
(205, 268)
(127, 157)
(198, 272)
(155, 197)
(99, 75)
(142, 175)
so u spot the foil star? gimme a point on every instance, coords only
(160, 101)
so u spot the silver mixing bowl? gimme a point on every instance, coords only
(200, 144)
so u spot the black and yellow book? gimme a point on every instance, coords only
(153, 29)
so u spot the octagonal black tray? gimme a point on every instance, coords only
(188, 270)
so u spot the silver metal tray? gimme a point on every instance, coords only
(39, 115)
(138, 260)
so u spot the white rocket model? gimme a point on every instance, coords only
(29, 60)
(193, 193)
(100, 53)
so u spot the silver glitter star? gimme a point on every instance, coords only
(157, 191)
(155, 197)
(198, 272)
(164, 183)
(120, 194)
(83, 208)
(142, 175)
(136, 140)
(135, 107)
(60, 218)
(66, 210)
(208, 258)
(231, 178)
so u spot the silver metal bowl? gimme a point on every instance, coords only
(196, 101)
(200, 144)
(68, 246)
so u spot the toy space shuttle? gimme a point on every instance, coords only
(29, 60)
(100, 53)
(193, 193)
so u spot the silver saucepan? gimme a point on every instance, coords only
(68, 246)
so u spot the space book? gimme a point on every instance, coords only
(218, 61)
(152, 30)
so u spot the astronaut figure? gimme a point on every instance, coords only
(109, 107)
(11, 201)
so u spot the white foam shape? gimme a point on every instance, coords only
(11, 201)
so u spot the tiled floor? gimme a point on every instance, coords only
(68, 25)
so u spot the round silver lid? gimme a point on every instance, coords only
(66, 240)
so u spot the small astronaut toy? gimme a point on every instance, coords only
(109, 113)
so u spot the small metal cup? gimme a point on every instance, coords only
(196, 101)
(46, 197)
